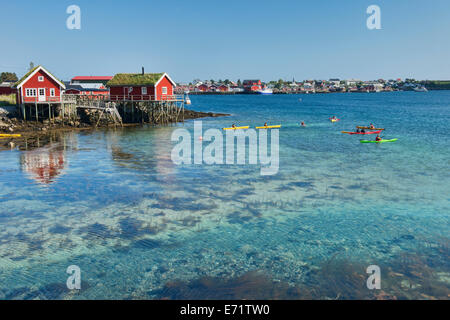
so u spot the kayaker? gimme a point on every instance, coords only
(233, 126)
(372, 126)
(357, 130)
(265, 124)
(303, 124)
(378, 138)
(363, 131)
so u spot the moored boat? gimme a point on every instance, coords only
(420, 89)
(265, 91)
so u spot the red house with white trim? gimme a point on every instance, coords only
(223, 88)
(252, 85)
(141, 86)
(203, 88)
(39, 86)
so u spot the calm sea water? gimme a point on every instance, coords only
(138, 226)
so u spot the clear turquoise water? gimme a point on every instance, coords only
(114, 204)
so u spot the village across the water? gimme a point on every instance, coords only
(257, 86)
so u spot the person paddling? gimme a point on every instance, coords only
(265, 124)
(303, 124)
(372, 126)
(378, 138)
(233, 126)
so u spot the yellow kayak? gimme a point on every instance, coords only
(269, 127)
(7, 135)
(237, 128)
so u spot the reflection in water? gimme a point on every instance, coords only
(45, 164)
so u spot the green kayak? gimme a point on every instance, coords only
(373, 141)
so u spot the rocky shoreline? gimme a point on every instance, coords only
(35, 133)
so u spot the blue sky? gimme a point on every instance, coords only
(230, 39)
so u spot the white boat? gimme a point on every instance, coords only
(265, 91)
(420, 89)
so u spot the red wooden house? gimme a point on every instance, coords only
(89, 85)
(90, 80)
(252, 85)
(77, 89)
(223, 88)
(203, 87)
(39, 86)
(6, 88)
(141, 86)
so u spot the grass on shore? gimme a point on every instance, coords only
(7, 100)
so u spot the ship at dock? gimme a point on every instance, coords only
(265, 91)
(420, 89)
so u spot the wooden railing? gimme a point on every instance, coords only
(41, 100)
(165, 97)
(69, 98)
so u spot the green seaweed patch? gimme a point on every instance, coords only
(134, 79)
(96, 231)
(59, 229)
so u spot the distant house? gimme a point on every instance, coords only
(352, 82)
(203, 88)
(141, 86)
(78, 89)
(223, 88)
(88, 85)
(6, 88)
(252, 85)
(91, 80)
(39, 86)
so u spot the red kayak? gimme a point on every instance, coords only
(368, 132)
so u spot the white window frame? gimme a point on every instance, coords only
(41, 78)
(31, 92)
(164, 90)
(144, 91)
(52, 92)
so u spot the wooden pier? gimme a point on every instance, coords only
(116, 109)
